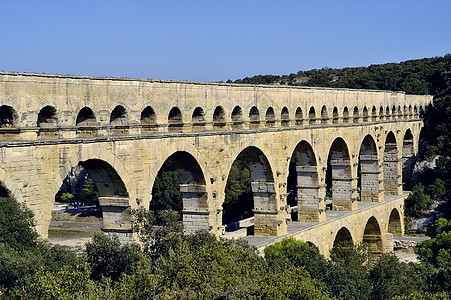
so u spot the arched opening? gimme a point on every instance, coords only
(94, 197)
(368, 172)
(270, 117)
(148, 120)
(421, 114)
(285, 117)
(299, 116)
(345, 115)
(393, 112)
(387, 113)
(381, 113)
(372, 237)
(410, 111)
(86, 122)
(399, 112)
(8, 117)
(180, 186)
(391, 166)
(374, 114)
(405, 112)
(324, 115)
(415, 111)
(48, 122)
(303, 185)
(119, 120)
(250, 192)
(365, 114)
(219, 117)
(408, 158)
(254, 117)
(356, 116)
(47, 117)
(237, 117)
(312, 116)
(343, 237)
(394, 223)
(175, 121)
(198, 118)
(339, 182)
(335, 115)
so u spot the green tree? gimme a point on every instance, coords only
(89, 194)
(417, 202)
(166, 189)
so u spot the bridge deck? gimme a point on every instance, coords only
(297, 228)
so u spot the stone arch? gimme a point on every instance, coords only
(270, 117)
(408, 157)
(405, 112)
(381, 113)
(86, 122)
(410, 111)
(365, 114)
(285, 116)
(339, 179)
(304, 182)
(195, 212)
(113, 184)
(254, 117)
(345, 115)
(198, 118)
(324, 115)
(395, 225)
(374, 114)
(299, 116)
(343, 236)
(312, 116)
(148, 116)
(368, 169)
(119, 116)
(148, 120)
(393, 112)
(219, 117)
(335, 116)
(391, 166)
(8, 117)
(356, 115)
(372, 236)
(237, 117)
(86, 117)
(10, 186)
(266, 222)
(387, 112)
(175, 120)
(415, 111)
(399, 112)
(47, 117)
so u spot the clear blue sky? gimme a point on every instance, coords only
(216, 40)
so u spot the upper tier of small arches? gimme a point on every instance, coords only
(30, 102)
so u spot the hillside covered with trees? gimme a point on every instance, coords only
(419, 76)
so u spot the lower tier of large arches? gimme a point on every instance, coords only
(374, 223)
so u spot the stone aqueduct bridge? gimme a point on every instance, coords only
(122, 131)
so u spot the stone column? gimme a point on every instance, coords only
(392, 176)
(311, 204)
(370, 188)
(117, 217)
(269, 220)
(343, 186)
(195, 213)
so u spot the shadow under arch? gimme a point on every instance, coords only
(372, 236)
(189, 185)
(408, 158)
(303, 185)
(395, 225)
(391, 166)
(368, 171)
(339, 181)
(86, 122)
(343, 236)
(257, 195)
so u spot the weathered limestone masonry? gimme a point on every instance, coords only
(350, 142)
